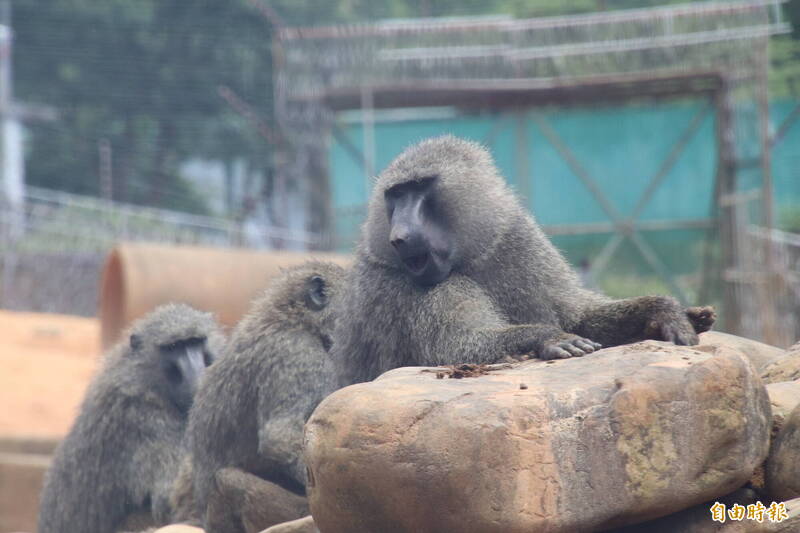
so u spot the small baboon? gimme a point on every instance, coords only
(123, 452)
(452, 268)
(250, 411)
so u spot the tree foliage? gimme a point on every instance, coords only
(145, 74)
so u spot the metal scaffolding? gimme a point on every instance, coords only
(712, 51)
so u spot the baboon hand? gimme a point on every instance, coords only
(567, 345)
(672, 327)
(701, 318)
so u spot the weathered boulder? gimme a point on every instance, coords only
(785, 368)
(760, 354)
(783, 464)
(617, 437)
(301, 525)
(783, 397)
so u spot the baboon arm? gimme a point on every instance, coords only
(241, 501)
(282, 415)
(280, 442)
(181, 499)
(635, 319)
(154, 468)
(457, 323)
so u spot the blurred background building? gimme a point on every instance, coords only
(658, 143)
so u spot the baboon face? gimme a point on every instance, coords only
(438, 208)
(171, 349)
(303, 296)
(183, 363)
(418, 231)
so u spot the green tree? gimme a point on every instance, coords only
(143, 75)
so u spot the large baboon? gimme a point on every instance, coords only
(451, 268)
(250, 411)
(124, 449)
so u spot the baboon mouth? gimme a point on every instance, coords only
(416, 263)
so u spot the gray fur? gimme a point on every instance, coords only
(251, 408)
(510, 293)
(123, 451)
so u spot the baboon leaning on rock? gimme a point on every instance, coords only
(248, 417)
(452, 268)
(123, 452)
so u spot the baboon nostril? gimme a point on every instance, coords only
(398, 242)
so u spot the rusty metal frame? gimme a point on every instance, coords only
(627, 227)
(623, 227)
(785, 126)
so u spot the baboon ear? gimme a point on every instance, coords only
(136, 341)
(316, 298)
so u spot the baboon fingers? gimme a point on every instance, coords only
(573, 349)
(554, 352)
(701, 318)
(677, 335)
(573, 346)
(586, 345)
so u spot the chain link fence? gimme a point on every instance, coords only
(53, 245)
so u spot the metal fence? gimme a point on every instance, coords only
(53, 245)
(715, 53)
(775, 289)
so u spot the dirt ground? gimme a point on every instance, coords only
(46, 362)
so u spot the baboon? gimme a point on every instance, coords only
(251, 408)
(451, 268)
(122, 454)
(237, 501)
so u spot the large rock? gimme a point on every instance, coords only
(617, 437)
(783, 397)
(783, 465)
(760, 354)
(785, 368)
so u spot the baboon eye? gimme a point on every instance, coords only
(174, 373)
(207, 359)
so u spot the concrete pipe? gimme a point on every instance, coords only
(138, 277)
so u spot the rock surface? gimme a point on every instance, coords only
(301, 525)
(616, 437)
(783, 397)
(785, 368)
(760, 354)
(783, 465)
